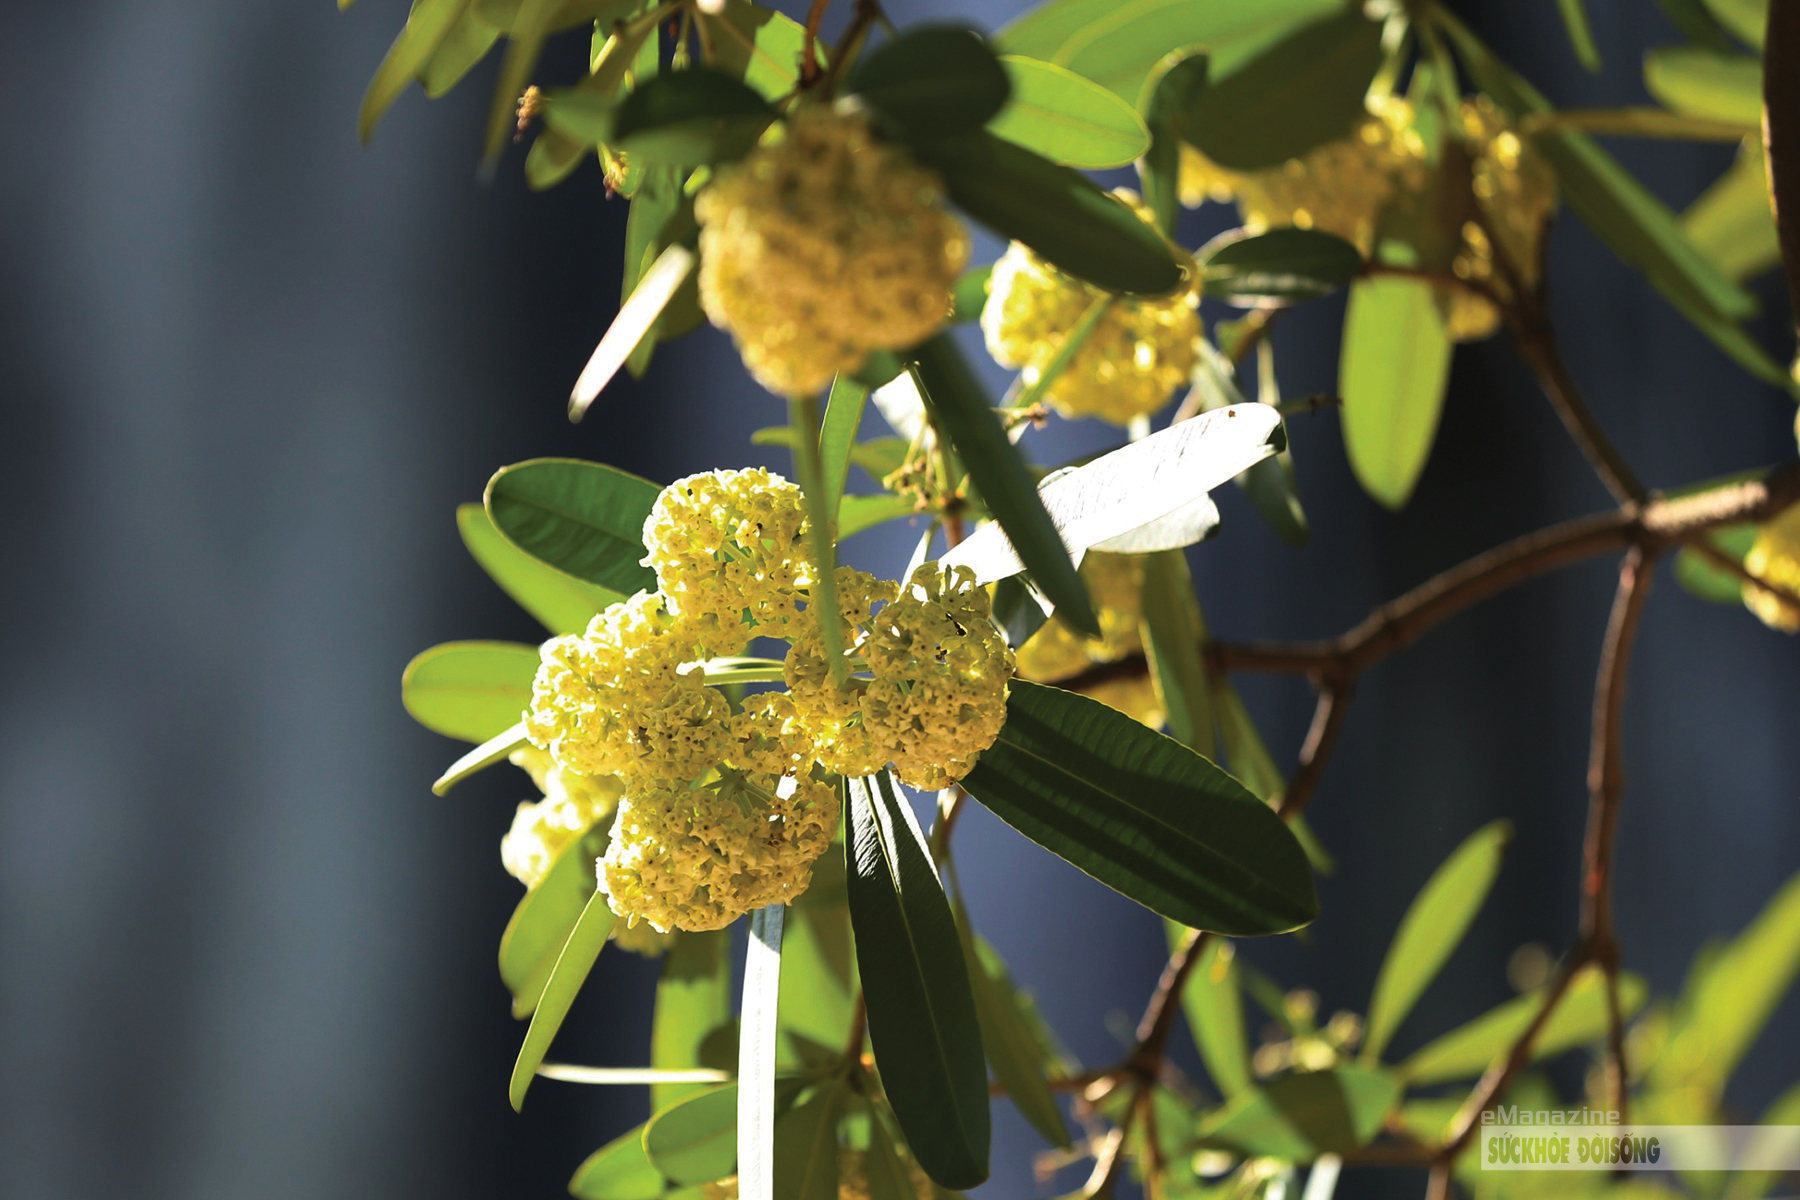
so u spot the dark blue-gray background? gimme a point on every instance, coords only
(249, 369)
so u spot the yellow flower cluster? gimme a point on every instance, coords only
(1057, 651)
(1775, 559)
(1516, 191)
(937, 698)
(572, 805)
(822, 245)
(1142, 349)
(853, 1178)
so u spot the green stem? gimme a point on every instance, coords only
(803, 416)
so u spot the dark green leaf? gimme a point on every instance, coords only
(553, 156)
(466, 44)
(582, 518)
(1017, 610)
(922, 1020)
(1466, 1052)
(693, 999)
(1697, 24)
(690, 118)
(1303, 1115)
(1277, 268)
(571, 971)
(429, 23)
(696, 1140)
(1701, 576)
(837, 435)
(1066, 118)
(1175, 90)
(1697, 82)
(806, 1147)
(933, 81)
(469, 690)
(1057, 211)
(962, 411)
(758, 1045)
(561, 603)
(1434, 925)
(1581, 35)
(528, 31)
(542, 921)
(1732, 223)
(1215, 1013)
(619, 1170)
(970, 295)
(1394, 366)
(1171, 635)
(1302, 92)
(653, 207)
(1143, 814)
(756, 44)
(1011, 1046)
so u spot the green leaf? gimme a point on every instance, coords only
(466, 44)
(658, 291)
(693, 999)
(469, 690)
(1007, 1039)
(1732, 222)
(1581, 35)
(696, 1140)
(1056, 210)
(429, 23)
(1303, 1115)
(888, 1177)
(821, 542)
(1725, 1005)
(1700, 83)
(561, 603)
(572, 966)
(932, 81)
(1302, 92)
(922, 1020)
(859, 513)
(552, 157)
(495, 750)
(1392, 372)
(970, 295)
(580, 114)
(1748, 19)
(619, 1170)
(654, 206)
(1143, 814)
(1695, 572)
(837, 436)
(584, 519)
(758, 45)
(1173, 92)
(691, 118)
(1434, 925)
(1277, 268)
(960, 408)
(1244, 750)
(806, 1147)
(1215, 1012)
(1119, 43)
(1066, 118)
(1171, 636)
(1270, 484)
(541, 923)
(818, 966)
(1580, 1018)
(758, 1038)
(528, 31)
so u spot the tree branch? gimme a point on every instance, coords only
(1781, 132)
(1315, 752)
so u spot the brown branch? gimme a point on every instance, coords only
(1315, 752)
(809, 43)
(1781, 132)
(1159, 1015)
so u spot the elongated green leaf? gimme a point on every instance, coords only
(621, 345)
(572, 966)
(580, 114)
(1581, 34)
(1008, 1041)
(1172, 92)
(1726, 1004)
(888, 1177)
(1697, 24)
(619, 1170)
(960, 407)
(1214, 1006)
(1056, 210)
(1118, 43)
(429, 23)
(1434, 925)
(1304, 1115)
(1245, 751)
(1143, 814)
(1168, 474)
(541, 923)
(696, 1141)
(1394, 366)
(693, 999)
(469, 690)
(561, 603)
(859, 513)
(656, 205)
(690, 118)
(821, 542)
(528, 31)
(932, 81)
(818, 966)
(553, 156)
(466, 44)
(1732, 222)
(759, 1032)
(806, 1147)
(1302, 92)
(1699, 575)
(1171, 634)
(758, 45)
(1067, 118)
(495, 750)
(1270, 484)
(1466, 1052)
(922, 1020)
(582, 518)
(837, 436)
(1278, 267)
(1700, 83)
(1748, 19)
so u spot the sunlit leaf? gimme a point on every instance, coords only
(693, 999)
(1433, 926)
(758, 45)
(1171, 635)
(541, 923)
(818, 966)
(635, 320)
(552, 157)
(528, 30)
(1172, 92)
(696, 1141)
(571, 971)
(922, 1020)
(932, 81)
(1732, 222)
(837, 435)
(806, 1147)
(1007, 1040)
(690, 118)
(561, 603)
(1067, 118)
(1214, 1006)
(1277, 267)
(1143, 814)
(491, 752)
(859, 513)
(619, 1170)
(1705, 578)
(1748, 19)
(1392, 373)
(1306, 1114)
(582, 518)
(1700, 83)
(469, 690)
(466, 44)
(429, 23)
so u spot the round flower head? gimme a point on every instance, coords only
(698, 857)
(724, 544)
(613, 701)
(642, 939)
(1142, 349)
(831, 715)
(822, 246)
(572, 805)
(941, 667)
(1775, 559)
(1516, 192)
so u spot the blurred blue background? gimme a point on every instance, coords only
(250, 369)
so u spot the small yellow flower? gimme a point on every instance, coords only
(1774, 558)
(572, 805)
(726, 544)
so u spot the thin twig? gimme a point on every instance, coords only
(809, 43)
(1321, 739)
